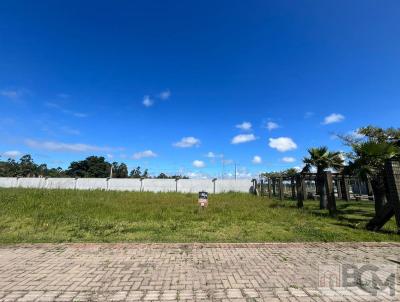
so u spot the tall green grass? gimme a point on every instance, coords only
(28, 215)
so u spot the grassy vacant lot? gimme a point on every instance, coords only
(96, 216)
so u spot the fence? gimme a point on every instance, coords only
(345, 187)
(131, 184)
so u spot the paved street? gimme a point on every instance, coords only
(153, 272)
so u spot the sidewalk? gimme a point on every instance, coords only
(168, 272)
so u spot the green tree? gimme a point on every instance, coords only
(9, 168)
(120, 170)
(77, 169)
(123, 171)
(56, 172)
(92, 166)
(177, 176)
(380, 135)
(135, 173)
(322, 159)
(145, 174)
(42, 170)
(98, 167)
(27, 167)
(291, 172)
(273, 176)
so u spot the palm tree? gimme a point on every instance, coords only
(272, 176)
(321, 158)
(292, 172)
(368, 163)
(372, 147)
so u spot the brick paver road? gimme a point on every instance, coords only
(153, 272)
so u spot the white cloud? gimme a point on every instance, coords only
(61, 147)
(246, 126)
(110, 156)
(70, 131)
(282, 144)
(165, 95)
(271, 126)
(76, 114)
(63, 95)
(198, 164)
(242, 172)
(147, 101)
(243, 138)
(197, 175)
(187, 142)
(52, 105)
(12, 154)
(288, 159)
(13, 94)
(257, 159)
(308, 114)
(333, 118)
(355, 134)
(214, 157)
(144, 154)
(65, 111)
(227, 161)
(211, 155)
(333, 136)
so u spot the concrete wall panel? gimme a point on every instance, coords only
(8, 182)
(91, 184)
(231, 185)
(195, 185)
(38, 183)
(61, 183)
(159, 185)
(124, 184)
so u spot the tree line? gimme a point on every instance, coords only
(90, 167)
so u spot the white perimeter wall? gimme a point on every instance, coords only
(61, 183)
(130, 184)
(159, 185)
(91, 184)
(124, 184)
(195, 185)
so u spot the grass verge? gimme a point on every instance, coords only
(29, 215)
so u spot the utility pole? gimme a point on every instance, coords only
(223, 163)
(235, 172)
(111, 171)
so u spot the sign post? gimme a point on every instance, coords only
(203, 199)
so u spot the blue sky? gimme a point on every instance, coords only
(182, 86)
